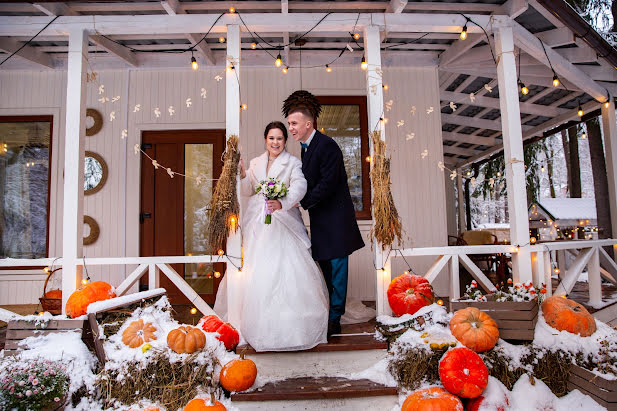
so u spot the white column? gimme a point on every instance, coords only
(609, 131)
(232, 126)
(73, 213)
(374, 91)
(462, 224)
(594, 278)
(513, 153)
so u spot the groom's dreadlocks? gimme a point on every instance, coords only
(302, 100)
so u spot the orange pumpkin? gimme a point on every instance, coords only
(53, 294)
(407, 293)
(199, 404)
(238, 375)
(433, 399)
(462, 372)
(226, 333)
(137, 333)
(186, 339)
(567, 315)
(79, 301)
(475, 329)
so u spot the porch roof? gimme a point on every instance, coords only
(567, 208)
(471, 132)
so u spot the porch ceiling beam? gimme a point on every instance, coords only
(468, 138)
(599, 72)
(172, 7)
(459, 48)
(29, 53)
(557, 37)
(472, 122)
(115, 49)
(396, 6)
(546, 14)
(532, 46)
(490, 102)
(581, 54)
(55, 9)
(533, 131)
(460, 151)
(514, 8)
(260, 22)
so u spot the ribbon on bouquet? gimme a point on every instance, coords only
(267, 213)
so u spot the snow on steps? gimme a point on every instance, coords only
(320, 378)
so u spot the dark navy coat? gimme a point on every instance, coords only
(334, 230)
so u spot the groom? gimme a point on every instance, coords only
(334, 230)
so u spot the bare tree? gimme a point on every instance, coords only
(600, 180)
(575, 166)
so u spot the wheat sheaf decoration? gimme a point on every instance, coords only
(224, 207)
(387, 224)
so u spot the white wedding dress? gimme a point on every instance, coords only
(284, 304)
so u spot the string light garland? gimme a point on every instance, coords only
(194, 64)
(488, 39)
(363, 64)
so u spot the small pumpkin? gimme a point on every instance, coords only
(407, 293)
(227, 334)
(186, 339)
(53, 294)
(78, 302)
(238, 375)
(433, 399)
(137, 333)
(199, 404)
(462, 372)
(438, 340)
(567, 315)
(475, 329)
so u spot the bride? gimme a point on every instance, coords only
(285, 301)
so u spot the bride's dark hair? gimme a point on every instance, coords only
(276, 124)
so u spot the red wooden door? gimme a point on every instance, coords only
(173, 215)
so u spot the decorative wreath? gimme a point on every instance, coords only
(94, 230)
(98, 122)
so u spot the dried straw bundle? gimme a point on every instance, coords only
(387, 221)
(224, 203)
(170, 384)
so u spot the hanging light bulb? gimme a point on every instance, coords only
(607, 104)
(243, 107)
(584, 135)
(369, 159)
(285, 70)
(580, 111)
(278, 61)
(254, 45)
(328, 69)
(363, 64)
(555, 81)
(464, 32)
(356, 36)
(386, 87)
(524, 89)
(194, 64)
(218, 274)
(221, 39)
(193, 310)
(232, 10)
(542, 169)
(230, 68)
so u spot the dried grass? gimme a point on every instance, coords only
(411, 367)
(224, 202)
(170, 384)
(388, 224)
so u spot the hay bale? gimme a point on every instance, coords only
(388, 224)
(413, 365)
(224, 203)
(172, 384)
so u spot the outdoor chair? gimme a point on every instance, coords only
(487, 263)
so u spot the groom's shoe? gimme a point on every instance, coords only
(334, 328)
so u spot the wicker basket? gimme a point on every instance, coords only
(51, 305)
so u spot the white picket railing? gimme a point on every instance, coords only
(153, 266)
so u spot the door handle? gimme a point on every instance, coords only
(143, 216)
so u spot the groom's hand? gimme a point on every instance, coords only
(274, 205)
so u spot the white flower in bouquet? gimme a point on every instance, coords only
(271, 189)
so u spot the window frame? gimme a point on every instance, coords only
(366, 212)
(27, 119)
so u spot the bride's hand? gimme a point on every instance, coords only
(242, 169)
(274, 205)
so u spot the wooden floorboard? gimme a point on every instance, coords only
(580, 293)
(312, 388)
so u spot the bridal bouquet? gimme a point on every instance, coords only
(271, 189)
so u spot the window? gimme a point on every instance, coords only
(344, 118)
(25, 146)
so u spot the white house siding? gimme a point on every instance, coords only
(418, 184)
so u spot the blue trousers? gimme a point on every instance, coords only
(335, 272)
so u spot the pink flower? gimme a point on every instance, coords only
(35, 382)
(19, 395)
(57, 399)
(36, 392)
(22, 383)
(30, 378)
(28, 393)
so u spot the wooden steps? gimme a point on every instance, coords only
(313, 388)
(322, 377)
